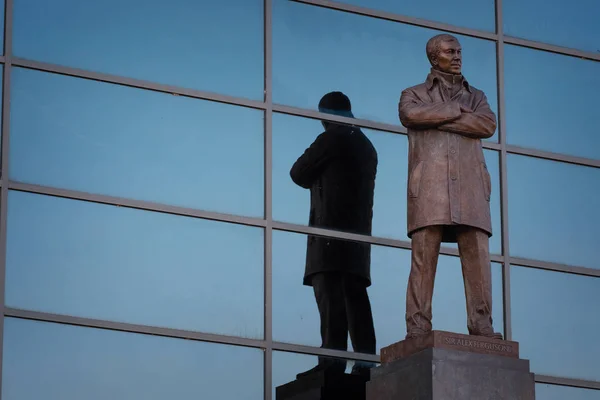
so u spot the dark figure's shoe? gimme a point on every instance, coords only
(363, 369)
(334, 367)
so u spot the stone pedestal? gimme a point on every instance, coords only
(323, 386)
(450, 366)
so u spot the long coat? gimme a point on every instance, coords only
(339, 168)
(448, 181)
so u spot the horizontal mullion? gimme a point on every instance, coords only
(567, 51)
(310, 230)
(278, 108)
(334, 5)
(137, 83)
(140, 84)
(450, 28)
(550, 266)
(491, 145)
(131, 328)
(363, 123)
(548, 155)
(318, 351)
(375, 240)
(136, 204)
(178, 333)
(303, 112)
(580, 383)
(2, 59)
(236, 341)
(190, 212)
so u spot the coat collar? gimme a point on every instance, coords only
(436, 75)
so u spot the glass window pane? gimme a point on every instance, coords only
(556, 311)
(563, 23)
(295, 313)
(192, 44)
(291, 203)
(475, 14)
(287, 365)
(550, 113)
(553, 211)
(317, 50)
(555, 392)
(120, 264)
(95, 137)
(61, 362)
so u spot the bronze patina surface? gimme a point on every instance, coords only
(449, 186)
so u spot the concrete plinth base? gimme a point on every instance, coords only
(449, 372)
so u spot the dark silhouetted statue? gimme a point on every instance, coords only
(339, 168)
(449, 186)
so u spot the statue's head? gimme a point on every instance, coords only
(336, 103)
(445, 54)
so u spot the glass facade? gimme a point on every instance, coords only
(153, 243)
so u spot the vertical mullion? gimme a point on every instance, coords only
(5, 163)
(268, 232)
(503, 172)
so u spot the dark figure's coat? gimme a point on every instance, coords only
(339, 168)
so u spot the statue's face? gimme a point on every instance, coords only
(449, 58)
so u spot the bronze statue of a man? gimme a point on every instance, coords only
(448, 186)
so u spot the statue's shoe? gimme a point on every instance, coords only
(417, 332)
(489, 333)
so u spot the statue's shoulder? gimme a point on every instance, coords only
(419, 91)
(476, 91)
(421, 87)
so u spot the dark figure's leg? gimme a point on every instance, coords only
(360, 316)
(360, 320)
(419, 294)
(473, 245)
(329, 293)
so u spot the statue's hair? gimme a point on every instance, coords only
(433, 45)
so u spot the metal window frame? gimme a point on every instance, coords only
(268, 232)
(267, 344)
(8, 7)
